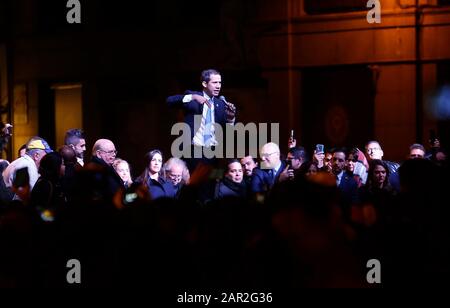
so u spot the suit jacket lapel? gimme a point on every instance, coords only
(218, 110)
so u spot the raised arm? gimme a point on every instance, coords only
(189, 100)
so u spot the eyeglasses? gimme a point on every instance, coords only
(175, 176)
(265, 155)
(109, 152)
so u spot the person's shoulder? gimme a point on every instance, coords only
(190, 92)
(258, 172)
(391, 164)
(19, 162)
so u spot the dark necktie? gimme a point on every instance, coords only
(272, 176)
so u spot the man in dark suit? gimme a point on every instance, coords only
(202, 110)
(272, 167)
(103, 155)
(344, 181)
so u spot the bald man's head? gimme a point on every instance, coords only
(104, 149)
(270, 155)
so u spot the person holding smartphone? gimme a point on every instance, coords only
(319, 156)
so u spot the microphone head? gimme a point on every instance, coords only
(222, 98)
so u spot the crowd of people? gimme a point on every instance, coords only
(304, 218)
(294, 220)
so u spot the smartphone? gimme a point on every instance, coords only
(320, 148)
(292, 134)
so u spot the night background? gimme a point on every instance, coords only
(315, 66)
(307, 65)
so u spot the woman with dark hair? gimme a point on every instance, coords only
(47, 195)
(307, 169)
(378, 192)
(232, 184)
(152, 177)
(378, 178)
(356, 167)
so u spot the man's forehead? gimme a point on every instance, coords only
(339, 154)
(215, 77)
(268, 148)
(247, 159)
(176, 168)
(373, 145)
(108, 145)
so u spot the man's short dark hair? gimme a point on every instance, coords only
(73, 136)
(417, 146)
(255, 161)
(299, 153)
(206, 75)
(342, 150)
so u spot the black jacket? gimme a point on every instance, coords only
(228, 188)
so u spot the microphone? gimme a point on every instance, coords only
(223, 98)
(227, 104)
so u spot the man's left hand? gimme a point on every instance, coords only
(230, 109)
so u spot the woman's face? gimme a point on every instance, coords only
(327, 160)
(312, 170)
(123, 171)
(234, 172)
(319, 157)
(379, 175)
(351, 163)
(155, 163)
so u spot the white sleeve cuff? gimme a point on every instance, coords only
(187, 98)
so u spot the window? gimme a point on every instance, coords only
(337, 6)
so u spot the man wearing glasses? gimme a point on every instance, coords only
(103, 155)
(374, 151)
(271, 168)
(176, 171)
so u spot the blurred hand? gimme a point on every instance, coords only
(6, 131)
(23, 192)
(201, 99)
(292, 143)
(230, 110)
(287, 174)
